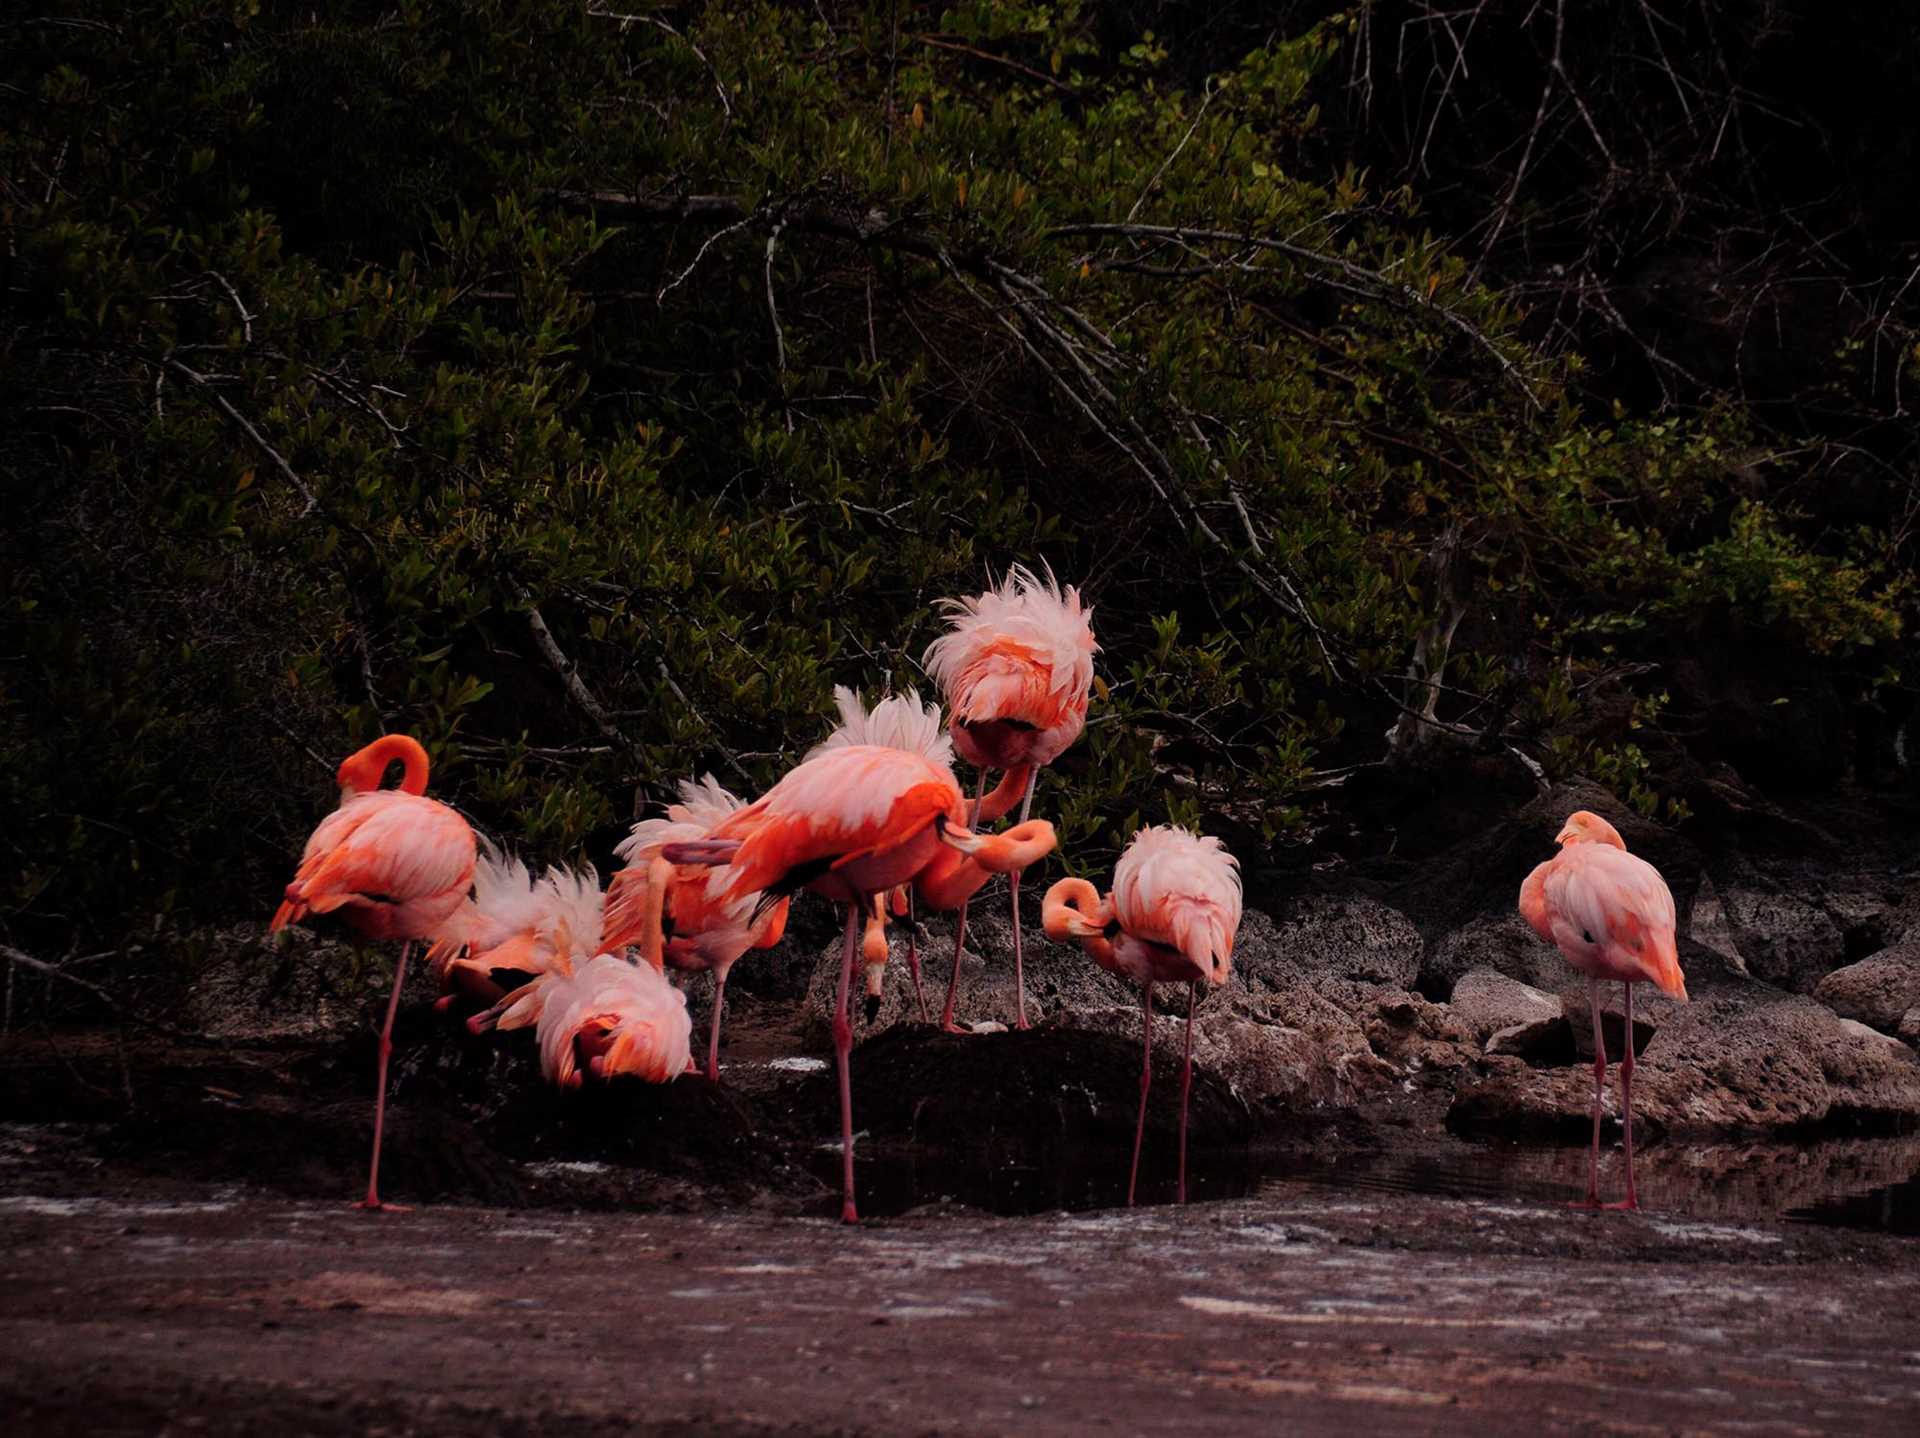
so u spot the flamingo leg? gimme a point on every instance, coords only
(1592, 1200)
(1013, 887)
(913, 957)
(1632, 1200)
(713, 1035)
(372, 1200)
(1186, 1088)
(1146, 1082)
(842, 1046)
(960, 928)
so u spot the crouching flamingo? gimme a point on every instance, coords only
(853, 823)
(391, 864)
(1171, 918)
(1612, 915)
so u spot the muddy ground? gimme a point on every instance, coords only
(178, 1256)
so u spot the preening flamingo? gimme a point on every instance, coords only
(391, 864)
(681, 915)
(905, 722)
(1612, 915)
(1171, 918)
(1016, 669)
(620, 1017)
(853, 823)
(514, 923)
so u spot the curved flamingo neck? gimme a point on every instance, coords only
(1011, 789)
(364, 771)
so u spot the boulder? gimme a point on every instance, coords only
(248, 984)
(1737, 1060)
(1501, 943)
(1784, 938)
(1289, 1027)
(1486, 1002)
(1879, 990)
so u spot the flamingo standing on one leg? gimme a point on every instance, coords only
(852, 824)
(1612, 915)
(906, 722)
(682, 915)
(1171, 918)
(1016, 669)
(391, 864)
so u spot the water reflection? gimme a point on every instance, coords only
(1848, 1182)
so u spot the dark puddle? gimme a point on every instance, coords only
(1863, 1183)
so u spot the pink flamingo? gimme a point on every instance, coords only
(391, 864)
(1016, 669)
(1612, 915)
(621, 1018)
(513, 923)
(905, 722)
(682, 915)
(852, 824)
(1171, 918)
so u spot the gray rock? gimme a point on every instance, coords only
(252, 985)
(1752, 1059)
(1486, 1002)
(1501, 943)
(1909, 1026)
(1784, 939)
(1710, 928)
(1879, 990)
(1288, 1027)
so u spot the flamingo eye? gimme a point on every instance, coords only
(1585, 936)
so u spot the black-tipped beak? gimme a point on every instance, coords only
(873, 1007)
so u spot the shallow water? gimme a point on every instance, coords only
(1865, 1183)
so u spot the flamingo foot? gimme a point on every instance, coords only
(373, 1203)
(1625, 1205)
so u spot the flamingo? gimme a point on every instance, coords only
(906, 722)
(622, 1018)
(709, 931)
(1016, 669)
(1171, 918)
(1612, 915)
(513, 922)
(852, 824)
(391, 864)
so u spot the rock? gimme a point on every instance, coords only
(1487, 1002)
(1501, 943)
(1784, 939)
(1752, 1059)
(1878, 990)
(250, 985)
(1710, 928)
(1288, 1027)
(1909, 1027)
(1535, 1041)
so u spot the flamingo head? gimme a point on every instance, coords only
(366, 770)
(1072, 909)
(1586, 827)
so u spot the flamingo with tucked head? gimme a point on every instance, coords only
(1612, 915)
(853, 823)
(613, 1017)
(1171, 918)
(1016, 669)
(390, 864)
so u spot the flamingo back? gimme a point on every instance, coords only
(697, 899)
(400, 864)
(649, 1032)
(1612, 915)
(1182, 890)
(900, 721)
(1022, 651)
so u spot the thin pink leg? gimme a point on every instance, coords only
(1013, 887)
(1632, 1200)
(1186, 1088)
(960, 929)
(1592, 1199)
(913, 957)
(713, 1034)
(842, 1046)
(1146, 1082)
(372, 1200)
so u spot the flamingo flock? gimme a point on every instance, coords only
(874, 820)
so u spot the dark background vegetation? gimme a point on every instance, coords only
(1429, 397)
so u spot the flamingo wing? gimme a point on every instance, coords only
(1611, 912)
(1181, 890)
(384, 847)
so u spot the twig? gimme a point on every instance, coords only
(600, 12)
(680, 694)
(220, 403)
(1174, 153)
(569, 673)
